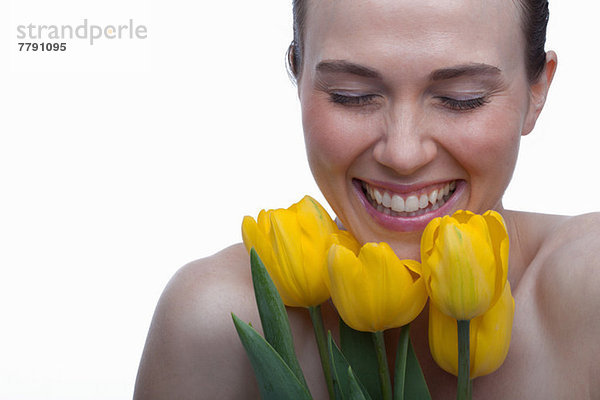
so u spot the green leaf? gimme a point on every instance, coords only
(415, 386)
(409, 381)
(347, 385)
(337, 385)
(273, 316)
(359, 350)
(400, 369)
(356, 391)
(276, 381)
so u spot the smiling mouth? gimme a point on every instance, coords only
(409, 204)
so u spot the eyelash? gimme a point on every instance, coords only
(453, 104)
(463, 105)
(352, 101)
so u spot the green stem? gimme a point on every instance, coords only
(384, 373)
(463, 391)
(317, 321)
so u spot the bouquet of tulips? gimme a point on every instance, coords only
(300, 258)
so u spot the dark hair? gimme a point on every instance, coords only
(296, 49)
(534, 15)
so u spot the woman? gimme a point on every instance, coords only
(403, 100)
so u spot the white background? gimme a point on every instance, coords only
(122, 162)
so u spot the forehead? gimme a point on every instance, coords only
(414, 33)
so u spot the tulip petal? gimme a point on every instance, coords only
(493, 333)
(293, 244)
(313, 218)
(499, 237)
(429, 236)
(374, 291)
(285, 238)
(264, 222)
(347, 240)
(443, 339)
(404, 294)
(481, 251)
(344, 268)
(344, 239)
(460, 270)
(489, 337)
(372, 267)
(249, 232)
(255, 238)
(314, 240)
(462, 216)
(414, 268)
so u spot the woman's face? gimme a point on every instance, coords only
(412, 109)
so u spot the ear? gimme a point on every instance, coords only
(539, 91)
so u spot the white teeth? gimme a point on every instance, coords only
(378, 196)
(433, 197)
(397, 203)
(390, 204)
(411, 204)
(387, 200)
(423, 201)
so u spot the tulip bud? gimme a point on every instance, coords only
(465, 262)
(375, 290)
(489, 337)
(293, 245)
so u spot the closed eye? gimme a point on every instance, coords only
(351, 100)
(463, 105)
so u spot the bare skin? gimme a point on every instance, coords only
(193, 351)
(441, 96)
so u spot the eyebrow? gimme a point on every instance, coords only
(465, 70)
(341, 66)
(473, 69)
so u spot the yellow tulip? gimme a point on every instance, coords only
(293, 244)
(489, 337)
(375, 290)
(465, 262)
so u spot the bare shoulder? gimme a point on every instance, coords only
(192, 349)
(568, 290)
(569, 257)
(557, 239)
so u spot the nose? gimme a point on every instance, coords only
(405, 144)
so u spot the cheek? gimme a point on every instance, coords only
(491, 145)
(333, 138)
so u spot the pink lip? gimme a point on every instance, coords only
(402, 188)
(407, 224)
